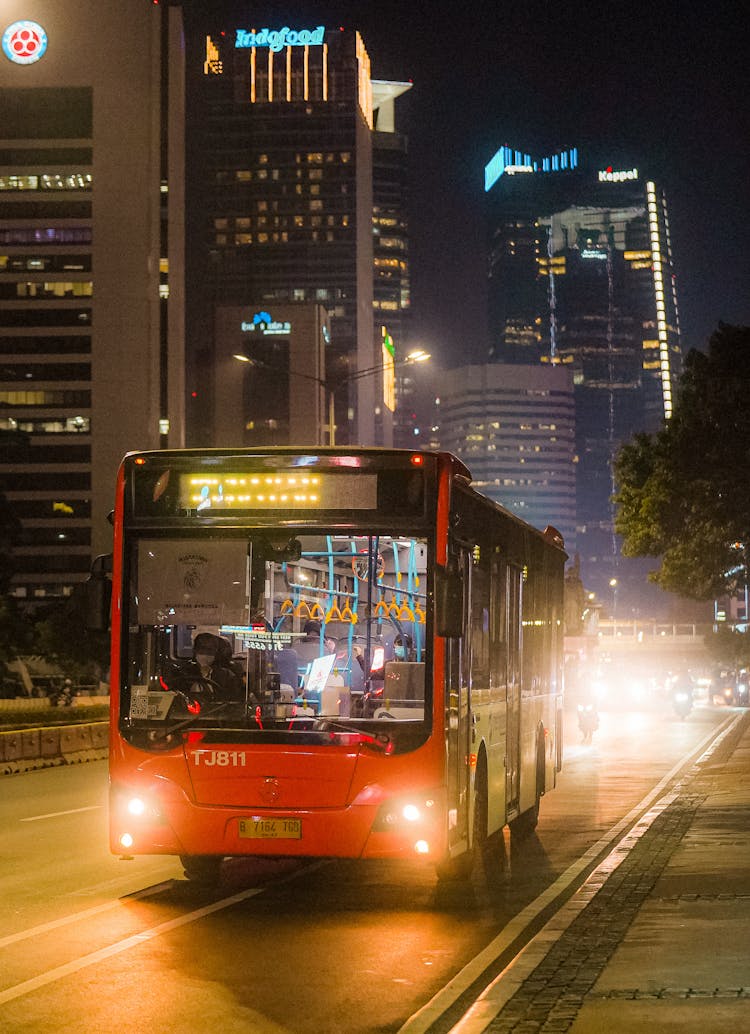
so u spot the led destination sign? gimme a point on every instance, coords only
(203, 492)
(277, 39)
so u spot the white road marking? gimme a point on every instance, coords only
(75, 965)
(56, 814)
(134, 941)
(476, 1019)
(55, 924)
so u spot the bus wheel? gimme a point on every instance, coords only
(201, 868)
(461, 867)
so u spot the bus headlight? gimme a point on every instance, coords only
(400, 814)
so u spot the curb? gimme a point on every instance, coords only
(26, 750)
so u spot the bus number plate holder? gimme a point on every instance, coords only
(271, 829)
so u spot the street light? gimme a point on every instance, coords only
(417, 355)
(613, 587)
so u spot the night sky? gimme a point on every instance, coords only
(660, 86)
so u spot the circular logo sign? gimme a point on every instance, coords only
(24, 42)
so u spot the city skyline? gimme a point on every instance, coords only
(658, 83)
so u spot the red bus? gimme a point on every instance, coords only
(327, 653)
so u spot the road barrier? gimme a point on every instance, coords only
(24, 750)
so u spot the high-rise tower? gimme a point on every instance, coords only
(581, 275)
(91, 256)
(285, 190)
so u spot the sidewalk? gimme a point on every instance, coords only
(663, 942)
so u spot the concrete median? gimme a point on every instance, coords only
(29, 749)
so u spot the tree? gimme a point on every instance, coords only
(683, 494)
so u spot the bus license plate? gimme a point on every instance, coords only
(271, 829)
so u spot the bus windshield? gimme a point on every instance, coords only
(275, 635)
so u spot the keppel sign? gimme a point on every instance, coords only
(277, 39)
(608, 176)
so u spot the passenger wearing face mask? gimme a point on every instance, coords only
(212, 677)
(403, 648)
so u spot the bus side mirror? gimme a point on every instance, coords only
(449, 601)
(98, 594)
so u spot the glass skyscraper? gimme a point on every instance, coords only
(581, 275)
(299, 194)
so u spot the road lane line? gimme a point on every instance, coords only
(135, 940)
(423, 1019)
(56, 814)
(35, 983)
(55, 924)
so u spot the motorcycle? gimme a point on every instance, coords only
(588, 721)
(682, 701)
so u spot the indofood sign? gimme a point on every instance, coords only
(608, 176)
(277, 39)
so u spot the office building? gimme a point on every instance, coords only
(581, 275)
(292, 140)
(270, 376)
(514, 427)
(91, 243)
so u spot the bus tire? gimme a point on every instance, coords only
(201, 868)
(462, 866)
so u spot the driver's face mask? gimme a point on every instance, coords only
(399, 652)
(205, 660)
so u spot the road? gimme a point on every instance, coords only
(91, 943)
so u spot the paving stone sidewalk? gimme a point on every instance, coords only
(664, 944)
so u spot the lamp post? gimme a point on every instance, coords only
(613, 587)
(417, 355)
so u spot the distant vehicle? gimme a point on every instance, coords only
(742, 688)
(723, 687)
(588, 721)
(682, 695)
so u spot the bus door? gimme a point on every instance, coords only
(514, 584)
(458, 725)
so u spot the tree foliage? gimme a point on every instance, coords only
(683, 494)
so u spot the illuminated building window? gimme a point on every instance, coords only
(221, 224)
(19, 182)
(243, 175)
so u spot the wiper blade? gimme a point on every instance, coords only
(360, 737)
(187, 723)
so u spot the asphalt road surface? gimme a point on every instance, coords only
(92, 943)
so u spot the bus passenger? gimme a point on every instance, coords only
(205, 664)
(403, 648)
